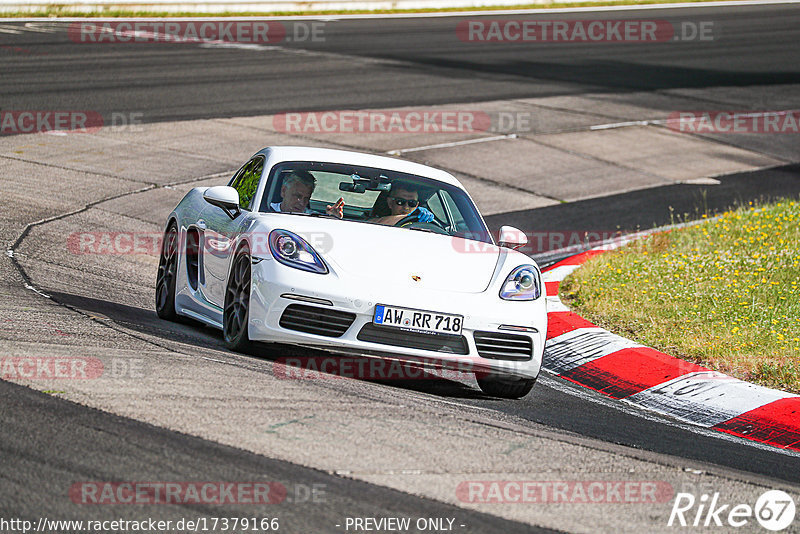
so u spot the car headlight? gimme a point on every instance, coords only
(522, 284)
(292, 250)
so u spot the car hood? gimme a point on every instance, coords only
(396, 257)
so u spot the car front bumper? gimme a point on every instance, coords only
(279, 292)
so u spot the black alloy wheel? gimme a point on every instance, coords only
(167, 274)
(236, 314)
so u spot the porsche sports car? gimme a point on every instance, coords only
(360, 254)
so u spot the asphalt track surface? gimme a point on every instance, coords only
(409, 62)
(49, 440)
(659, 206)
(388, 63)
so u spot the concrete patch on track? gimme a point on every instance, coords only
(546, 171)
(659, 152)
(179, 377)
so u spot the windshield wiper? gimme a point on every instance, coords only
(312, 214)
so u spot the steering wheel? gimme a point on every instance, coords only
(411, 221)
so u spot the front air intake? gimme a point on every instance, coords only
(414, 340)
(499, 346)
(314, 320)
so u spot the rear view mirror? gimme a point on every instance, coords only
(224, 197)
(351, 187)
(362, 185)
(381, 183)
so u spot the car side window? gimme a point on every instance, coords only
(436, 207)
(237, 174)
(246, 182)
(459, 224)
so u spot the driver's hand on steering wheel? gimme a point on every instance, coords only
(423, 214)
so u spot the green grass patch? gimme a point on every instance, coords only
(67, 11)
(723, 293)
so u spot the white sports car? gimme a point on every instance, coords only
(356, 253)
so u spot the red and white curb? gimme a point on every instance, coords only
(619, 368)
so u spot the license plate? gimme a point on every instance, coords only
(418, 320)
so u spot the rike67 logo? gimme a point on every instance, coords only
(774, 510)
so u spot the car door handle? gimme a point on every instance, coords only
(201, 224)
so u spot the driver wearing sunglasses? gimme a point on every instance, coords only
(402, 202)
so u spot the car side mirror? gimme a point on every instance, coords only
(224, 197)
(511, 237)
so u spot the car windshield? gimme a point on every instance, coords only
(369, 195)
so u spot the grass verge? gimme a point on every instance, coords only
(723, 293)
(67, 11)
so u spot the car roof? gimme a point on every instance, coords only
(277, 154)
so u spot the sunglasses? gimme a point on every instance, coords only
(404, 202)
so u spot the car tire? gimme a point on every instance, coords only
(505, 387)
(236, 312)
(167, 275)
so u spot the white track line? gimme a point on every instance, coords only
(659, 122)
(399, 151)
(626, 124)
(39, 28)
